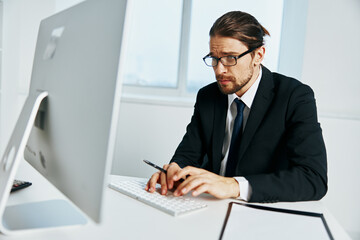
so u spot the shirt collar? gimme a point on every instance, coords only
(249, 95)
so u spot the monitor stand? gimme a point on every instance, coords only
(33, 215)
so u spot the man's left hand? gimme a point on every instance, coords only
(201, 181)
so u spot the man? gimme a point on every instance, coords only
(254, 134)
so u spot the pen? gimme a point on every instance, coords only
(158, 168)
(155, 166)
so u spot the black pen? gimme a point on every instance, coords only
(155, 166)
(159, 168)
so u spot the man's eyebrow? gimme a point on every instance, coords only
(232, 53)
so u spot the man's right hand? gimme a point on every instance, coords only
(165, 180)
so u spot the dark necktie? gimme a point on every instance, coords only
(235, 140)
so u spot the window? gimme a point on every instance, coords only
(168, 39)
(153, 43)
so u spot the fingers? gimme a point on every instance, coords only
(200, 189)
(207, 182)
(172, 169)
(187, 171)
(158, 177)
(192, 180)
(165, 180)
(191, 183)
(151, 184)
(198, 181)
(163, 183)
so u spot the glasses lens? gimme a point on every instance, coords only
(210, 61)
(228, 61)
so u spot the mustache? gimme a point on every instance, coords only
(221, 77)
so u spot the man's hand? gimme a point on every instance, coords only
(201, 181)
(197, 180)
(165, 180)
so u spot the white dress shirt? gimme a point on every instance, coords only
(247, 98)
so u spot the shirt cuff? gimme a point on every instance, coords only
(244, 187)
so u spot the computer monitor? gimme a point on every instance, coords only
(67, 127)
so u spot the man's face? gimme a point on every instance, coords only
(234, 79)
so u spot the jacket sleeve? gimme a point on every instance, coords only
(305, 178)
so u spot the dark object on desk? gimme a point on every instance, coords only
(18, 184)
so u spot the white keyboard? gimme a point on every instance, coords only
(170, 204)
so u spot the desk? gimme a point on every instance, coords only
(126, 218)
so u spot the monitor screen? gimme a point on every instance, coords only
(77, 63)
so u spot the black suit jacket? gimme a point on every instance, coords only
(282, 152)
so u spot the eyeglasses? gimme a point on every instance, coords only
(227, 61)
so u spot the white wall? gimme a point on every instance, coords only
(331, 67)
(331, 57)
(148, 131)
(342, 137)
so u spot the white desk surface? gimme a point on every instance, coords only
(126, 218)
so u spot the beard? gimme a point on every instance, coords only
(235, 84)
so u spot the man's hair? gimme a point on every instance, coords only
(241, 26)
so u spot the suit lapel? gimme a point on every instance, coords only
(261, 103)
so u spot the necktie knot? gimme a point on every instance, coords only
(239, 105)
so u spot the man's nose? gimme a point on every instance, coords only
(219, 68)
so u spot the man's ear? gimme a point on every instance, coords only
(259, 55)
